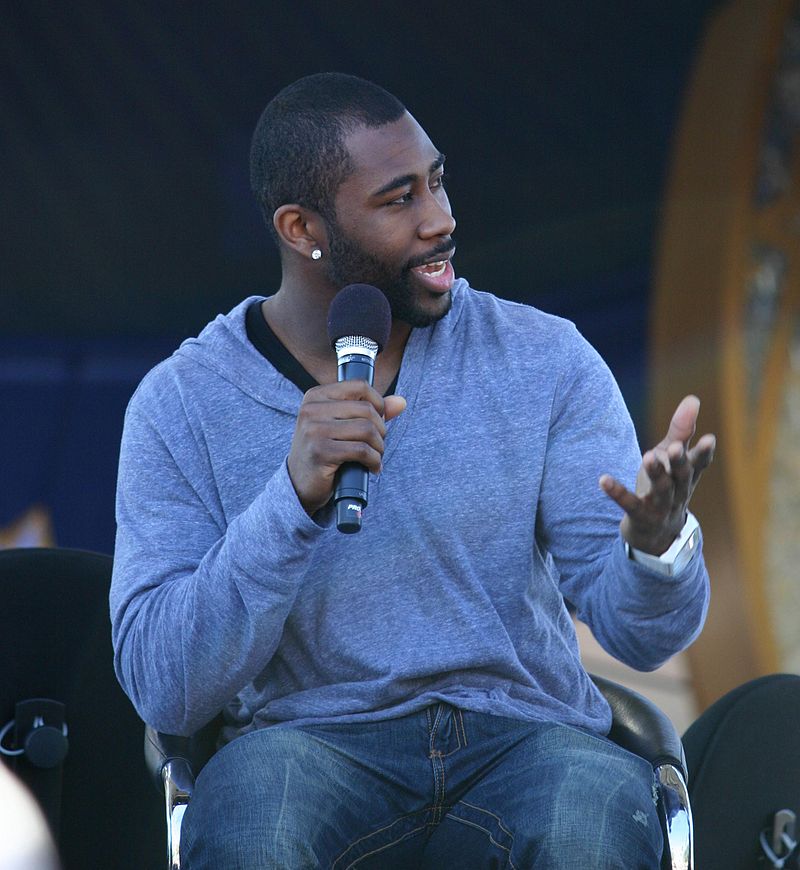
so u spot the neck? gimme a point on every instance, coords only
(298, 315)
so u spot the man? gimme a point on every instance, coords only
(411, 695)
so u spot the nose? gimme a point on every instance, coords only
(438, 219)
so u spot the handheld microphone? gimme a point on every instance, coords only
(359, 321)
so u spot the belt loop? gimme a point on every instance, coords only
(438, 710)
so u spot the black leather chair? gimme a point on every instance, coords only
(638, 725)
(56, 642)
(744, 758)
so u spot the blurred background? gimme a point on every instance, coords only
(569, 127)
(127, 219)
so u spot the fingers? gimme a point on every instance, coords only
(344, 411)
(356, 399)
(662, 472)
(684, 421)
(655, 513)
(358, 439)
(619, 493)
(337, 423)
(330, 453)
(358, 391)
(343, 423)
(645, 525)
(680, 472)
(702, 454)
(684, 464)
(393, 406)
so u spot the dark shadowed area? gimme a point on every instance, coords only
(127, 221)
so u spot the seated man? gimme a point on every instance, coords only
(412, 695)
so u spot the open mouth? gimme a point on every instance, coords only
(437, 276)
(434, 270)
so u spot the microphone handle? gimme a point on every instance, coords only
(352, 478)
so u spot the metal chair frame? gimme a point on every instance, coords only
(638, 725)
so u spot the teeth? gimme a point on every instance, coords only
(435, 269)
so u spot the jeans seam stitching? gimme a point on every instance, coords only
(438, 786)
(444, 790)
(385, 846)
(435, 729)
(489, 813)
(341, 856)
(460, 745)
(435, 779)
(487, 832)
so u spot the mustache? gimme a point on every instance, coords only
(447, 246)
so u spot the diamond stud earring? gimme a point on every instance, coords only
(316, 254)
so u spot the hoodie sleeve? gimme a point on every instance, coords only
(639, 616)
(197, 605)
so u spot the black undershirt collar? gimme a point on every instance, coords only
(272, 349)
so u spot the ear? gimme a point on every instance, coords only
(300, 229)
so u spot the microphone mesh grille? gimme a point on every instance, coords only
(356, 343)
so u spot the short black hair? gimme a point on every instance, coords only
(298, 154)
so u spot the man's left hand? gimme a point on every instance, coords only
(656, 512)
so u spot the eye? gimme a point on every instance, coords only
(402, 199)
(438, 181)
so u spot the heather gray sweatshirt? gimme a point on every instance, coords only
(487, 514)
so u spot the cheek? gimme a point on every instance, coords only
(383, 248)
(382, 235)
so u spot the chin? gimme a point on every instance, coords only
(419, 315)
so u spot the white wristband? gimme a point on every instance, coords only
(677, 557)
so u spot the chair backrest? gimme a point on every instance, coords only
(56, 642)
(743, 755)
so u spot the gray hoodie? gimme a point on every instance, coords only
(486, 516)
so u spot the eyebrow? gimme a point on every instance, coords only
(410, 178)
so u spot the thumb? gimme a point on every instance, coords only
(393, 406)
(684, 421)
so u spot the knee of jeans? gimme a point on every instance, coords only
(616, 835)
(256, 761)
(253, 805)
(235, 847)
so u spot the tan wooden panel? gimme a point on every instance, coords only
(717, 233)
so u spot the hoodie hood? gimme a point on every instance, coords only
(224, 348)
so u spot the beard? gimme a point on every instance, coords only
(349, 263)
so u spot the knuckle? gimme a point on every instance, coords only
(316, 453)
(308, 412)
(312, 431)
(363, 450)
(367, 455)
(366, 430)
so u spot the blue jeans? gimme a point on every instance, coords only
(438, 789)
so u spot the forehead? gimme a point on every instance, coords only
(380, 154)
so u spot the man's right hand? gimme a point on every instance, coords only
(341, 422)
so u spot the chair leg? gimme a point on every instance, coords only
(176, 800)
(678, 816)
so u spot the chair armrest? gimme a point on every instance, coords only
(163, 749)
(187, 755)
(173, 762)
(641, 727)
